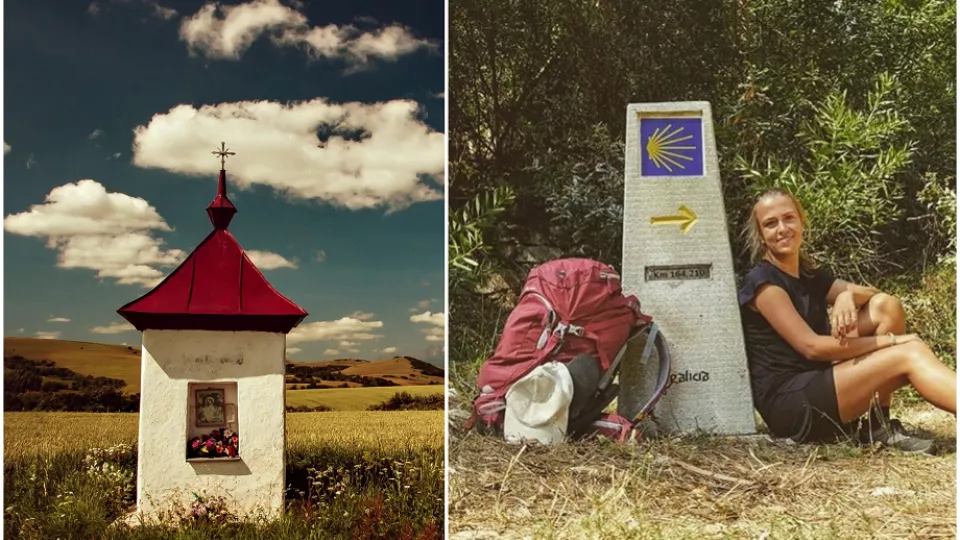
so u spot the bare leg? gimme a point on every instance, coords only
(883, 371)
(881, 315)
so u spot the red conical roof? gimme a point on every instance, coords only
(217, 288)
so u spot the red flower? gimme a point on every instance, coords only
(195, 443)
(231, 451)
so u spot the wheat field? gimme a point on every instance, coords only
(354, 399)
(26, 433)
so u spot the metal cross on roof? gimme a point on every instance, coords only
(223, 152)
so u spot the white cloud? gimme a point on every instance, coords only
(321, 255)
(436, 319)
(20, 330)
(277, 146)
(116, 155)
(266, 260)
(361, 315)
(353, 351)
(347, 344)
(226, 32)
(330, 352)
(93, 8)
(48, 335)
(293, 350)
(31, 161)
(345, 329)
(440, 95)
(109, 233)
(58, 319)
(115, 328)
(388, 350)
(6, 148)
(96, 133)
(437, 322)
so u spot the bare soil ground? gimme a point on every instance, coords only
(704, 487)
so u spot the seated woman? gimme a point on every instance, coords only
(813, 375)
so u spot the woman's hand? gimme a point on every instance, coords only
(843, 318)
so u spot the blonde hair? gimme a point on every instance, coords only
(757, 248)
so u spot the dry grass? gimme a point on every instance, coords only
(700, 487)
(96, 359)
(354, 399)
(48, 433)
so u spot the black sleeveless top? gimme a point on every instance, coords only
(772, 360)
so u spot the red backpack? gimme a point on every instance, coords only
(567, 307)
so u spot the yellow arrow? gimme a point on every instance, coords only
(685, 219)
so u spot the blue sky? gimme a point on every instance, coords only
(335, 110)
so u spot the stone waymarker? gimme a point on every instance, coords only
(214, 344)
(677, 260)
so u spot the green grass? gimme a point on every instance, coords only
(354, 399)
(349, 475)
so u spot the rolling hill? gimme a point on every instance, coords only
(95, 359)
(342, 373)
(123, 362)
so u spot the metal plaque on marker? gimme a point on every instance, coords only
(677, 259)
(677, 271)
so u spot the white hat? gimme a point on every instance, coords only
(538, 405)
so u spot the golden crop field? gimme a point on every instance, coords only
(354, 399)
(367, 430)
(52, 432)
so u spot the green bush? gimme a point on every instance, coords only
(404, 401)
(851, 105)
(931, 311)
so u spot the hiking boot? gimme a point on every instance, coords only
(893, 435)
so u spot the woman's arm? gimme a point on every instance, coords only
(774, 304)
(846, 299)
(861, 294)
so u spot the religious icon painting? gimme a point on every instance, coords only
(210, 407)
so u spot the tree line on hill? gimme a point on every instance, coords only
(404, 401)
(40, 385)
(310, 375)
(401, 401)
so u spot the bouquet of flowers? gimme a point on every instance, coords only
(219, 443)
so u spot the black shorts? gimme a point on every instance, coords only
(805, 409)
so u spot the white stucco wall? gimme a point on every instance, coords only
(171, 361)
